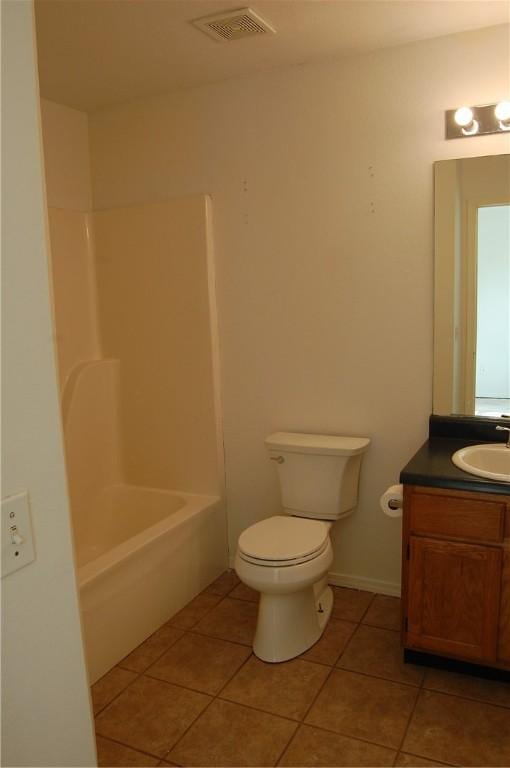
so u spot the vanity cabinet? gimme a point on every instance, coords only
(456, 574)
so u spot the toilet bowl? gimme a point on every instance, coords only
(287, 557)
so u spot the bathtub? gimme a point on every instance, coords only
(141, 555)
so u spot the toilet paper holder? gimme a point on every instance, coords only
(392, 501)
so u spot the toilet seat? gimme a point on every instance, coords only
(283, 541)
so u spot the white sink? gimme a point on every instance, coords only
(490, 460)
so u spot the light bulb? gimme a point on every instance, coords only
(463, 116)
(502, 111)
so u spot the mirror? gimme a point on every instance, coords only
(472, 287)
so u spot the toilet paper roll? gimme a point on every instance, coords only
(391, 501)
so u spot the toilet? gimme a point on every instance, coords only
(287, 557)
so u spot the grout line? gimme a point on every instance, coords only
(167, 753)
(258, 709)
(100, 711)
(173, 642)
(424, 757)
(129, 746)
(220, 594)
(287, 745)
(416, 686)
(247, 659)
(410, 717)
(467, 698)
(350, 736)
(321, 688)
(244, 599)
(202, 616)
(379, 626)
(374, 595)
(220, 637)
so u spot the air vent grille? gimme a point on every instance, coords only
(234, 25)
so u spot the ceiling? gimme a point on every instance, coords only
(93, 53)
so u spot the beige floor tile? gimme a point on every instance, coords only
(384, 612)
(199, 662)
(315, 747)
(234, 620)
(378, 652)
(194, 611)
(111, 754)
(109, 686)
(364, 707)
(154, 647)
(350, 604)
(223, 584)
(151, 715)
(491, 691)
(332, 643)
(412, 761)
(286, 689)
(230, 735)
(242, 592)
(455, 730)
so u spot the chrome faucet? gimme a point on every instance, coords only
(504, 429)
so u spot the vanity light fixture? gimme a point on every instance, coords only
(476, 121)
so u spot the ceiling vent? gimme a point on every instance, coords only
(233, 25)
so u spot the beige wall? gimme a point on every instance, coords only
(46, 716)
(155, 317)
(321, 180)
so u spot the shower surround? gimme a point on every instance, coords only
(135, 328)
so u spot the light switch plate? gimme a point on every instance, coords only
(16, 526)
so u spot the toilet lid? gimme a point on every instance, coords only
(282, 538)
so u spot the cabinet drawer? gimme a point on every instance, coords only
(456, 516)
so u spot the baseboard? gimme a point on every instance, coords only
(391, 588)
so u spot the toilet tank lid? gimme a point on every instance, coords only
(296, 442)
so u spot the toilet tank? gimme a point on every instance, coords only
(319, 474)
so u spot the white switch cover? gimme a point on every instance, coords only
(17, 537)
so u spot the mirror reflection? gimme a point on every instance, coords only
(472, 287)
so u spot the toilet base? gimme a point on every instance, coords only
(290, 624)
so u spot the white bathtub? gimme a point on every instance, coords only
(142, 554)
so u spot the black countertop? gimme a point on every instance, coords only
(432, 465)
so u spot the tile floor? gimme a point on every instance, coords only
(193, 694)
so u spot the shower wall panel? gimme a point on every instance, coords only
(154, 312)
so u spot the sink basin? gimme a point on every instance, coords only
(490, 460)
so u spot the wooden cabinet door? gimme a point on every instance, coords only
(504, 611)
(453, 598)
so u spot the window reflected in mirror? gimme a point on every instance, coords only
(492, 349)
